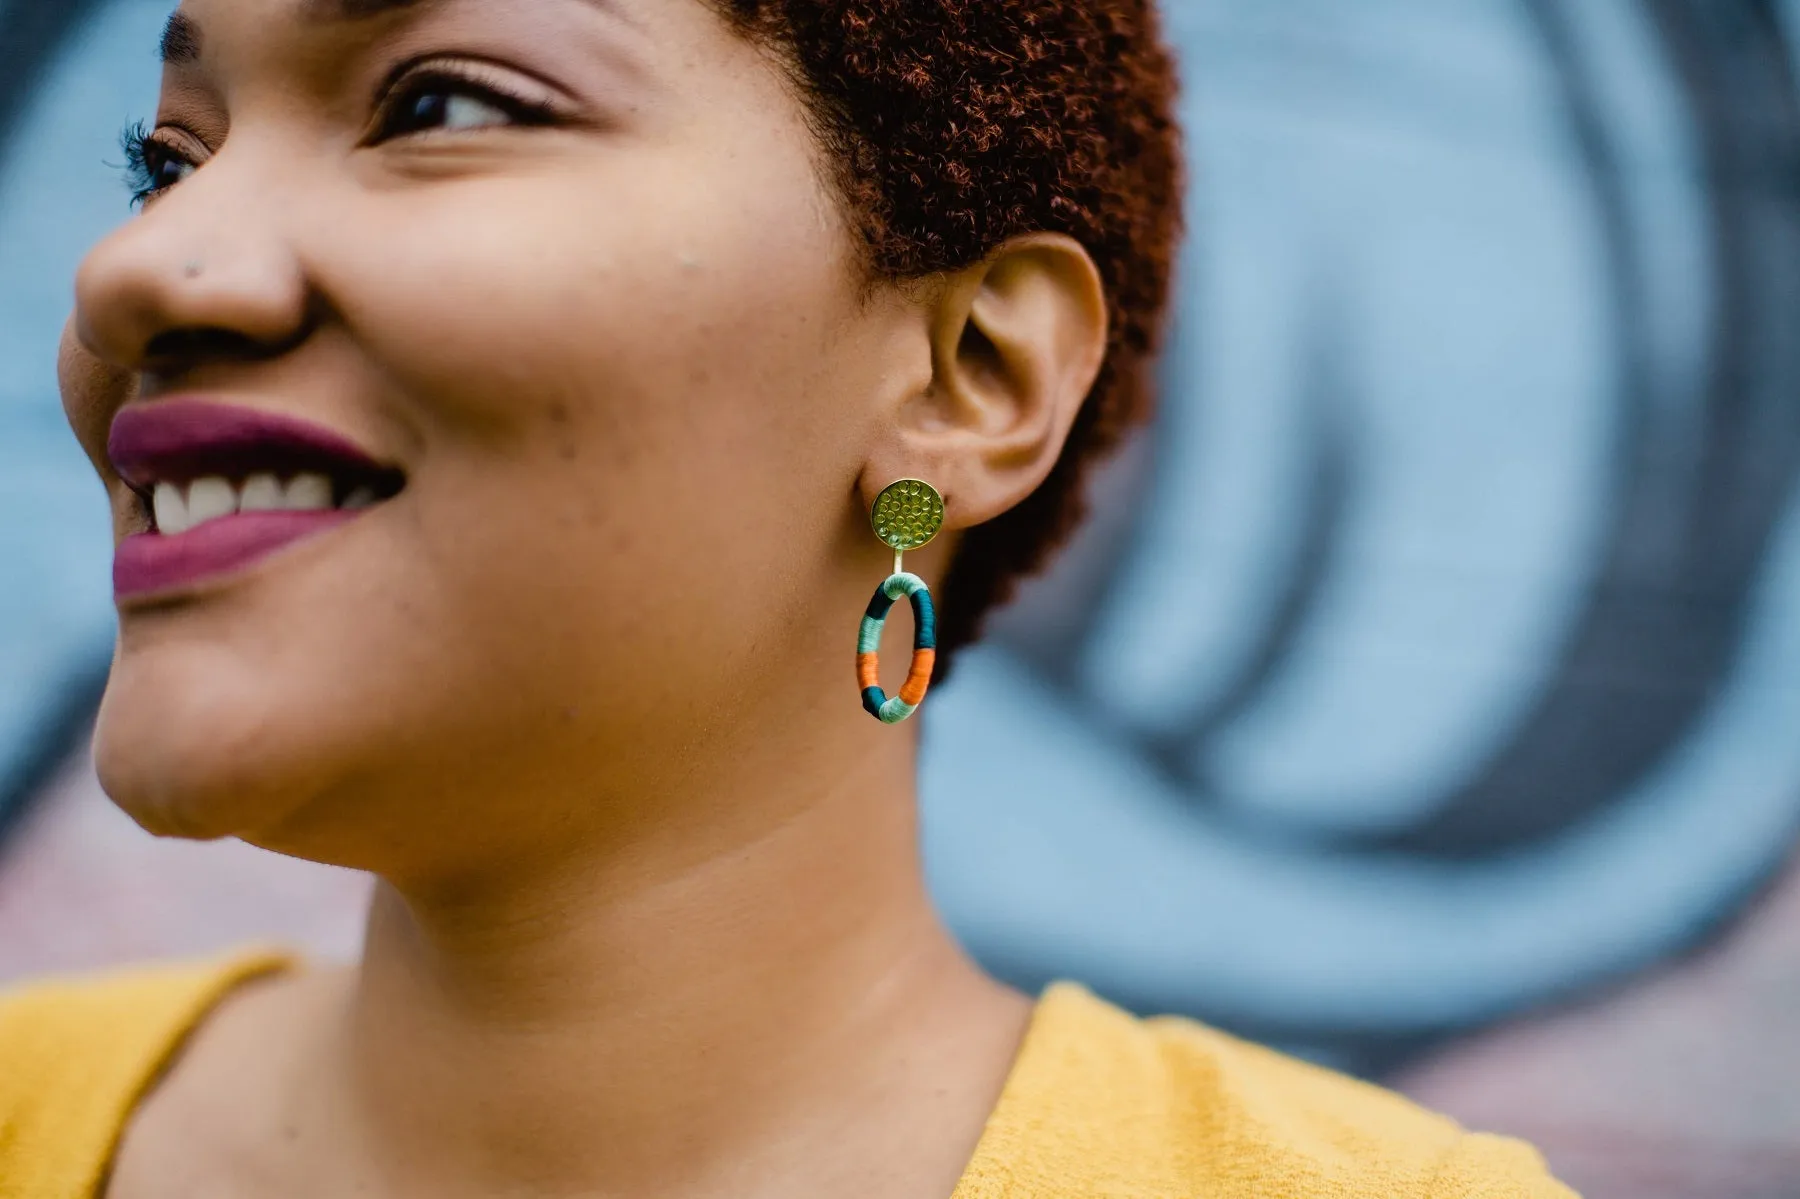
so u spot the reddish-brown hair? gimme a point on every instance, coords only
(957, 124)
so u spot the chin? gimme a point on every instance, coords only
(195, 761)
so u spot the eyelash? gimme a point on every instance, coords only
(138, 145)
(146, 153)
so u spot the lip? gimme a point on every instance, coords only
(148, 565)
(180, 440)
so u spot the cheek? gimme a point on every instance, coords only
(634, 423)
(91, 392)
(656, 302)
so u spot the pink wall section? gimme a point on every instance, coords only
(1683, 1085)
(82, 887)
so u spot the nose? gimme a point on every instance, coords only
(206, 268)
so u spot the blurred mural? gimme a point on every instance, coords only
(1425, 694)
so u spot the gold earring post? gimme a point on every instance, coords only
(906, 515)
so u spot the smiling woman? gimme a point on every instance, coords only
(492, 394)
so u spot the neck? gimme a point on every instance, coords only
(649, 1020)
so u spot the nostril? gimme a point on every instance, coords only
(176, 350)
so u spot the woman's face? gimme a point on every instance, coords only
(586, 375)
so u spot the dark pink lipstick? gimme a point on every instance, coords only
(269, 480)
(151, 564)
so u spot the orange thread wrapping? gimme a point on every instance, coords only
(919, 677)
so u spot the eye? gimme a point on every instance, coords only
(152, 164)
(441, 108)
(441, 103)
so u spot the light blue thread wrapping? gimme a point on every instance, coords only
(868, 640)
(903, 586)
(896, 710)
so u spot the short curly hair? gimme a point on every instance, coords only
(957, 124)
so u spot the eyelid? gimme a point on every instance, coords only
(180, 144)
(180, 141)
(510, 86)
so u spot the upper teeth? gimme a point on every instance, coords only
(179, 509)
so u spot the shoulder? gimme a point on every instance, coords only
(1103, 1103)
(77, 1054)
(1325, 1129)
(51, 1020)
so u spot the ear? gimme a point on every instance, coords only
(1016, 343)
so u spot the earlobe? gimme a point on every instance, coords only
(1017, 342)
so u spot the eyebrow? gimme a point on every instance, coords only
(328, 11)
(325, 12)
(181, 36)
(180, 40)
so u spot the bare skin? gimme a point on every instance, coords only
(651, 919)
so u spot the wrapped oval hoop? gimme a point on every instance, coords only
(868, 649)
(905, 516)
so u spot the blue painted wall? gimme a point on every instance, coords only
(1439, 655)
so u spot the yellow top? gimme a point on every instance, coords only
(1098, 1104)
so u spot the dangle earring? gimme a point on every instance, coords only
(906, 515)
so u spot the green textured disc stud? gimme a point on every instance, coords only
(907, 514)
